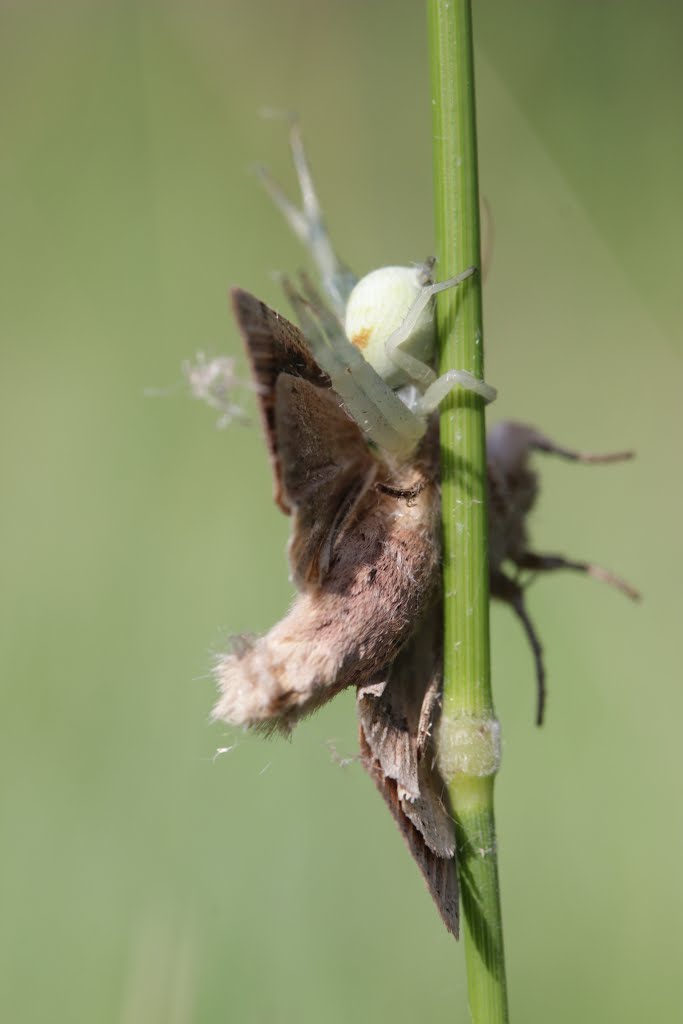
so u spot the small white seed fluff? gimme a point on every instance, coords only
(377, 306)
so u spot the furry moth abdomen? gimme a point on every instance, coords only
(364, 553)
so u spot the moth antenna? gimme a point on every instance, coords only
(315, 301)
(298, 304)
(311, 321)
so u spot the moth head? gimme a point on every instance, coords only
(376, 308)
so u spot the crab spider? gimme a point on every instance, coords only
(377, 341)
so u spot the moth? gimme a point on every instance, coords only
(355, 462)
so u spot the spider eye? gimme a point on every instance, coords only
(377, 307)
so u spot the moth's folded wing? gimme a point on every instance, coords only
(439, 872)
(397, 715)
(326, 468)
(386, 731)
(274, 346)
(429, 812)
(397, 720)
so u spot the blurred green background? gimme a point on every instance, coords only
(142, 878)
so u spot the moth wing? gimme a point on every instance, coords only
(397, 713)
(325, 469)
(438, 872)
(274, 346)
(396, 724)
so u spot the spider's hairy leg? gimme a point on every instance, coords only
(378, 410)
(420, 373)
(308, 223)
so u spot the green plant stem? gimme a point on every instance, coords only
(468, 737)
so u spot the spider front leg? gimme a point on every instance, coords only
(377, 409)
(421, 373)
(308, 222)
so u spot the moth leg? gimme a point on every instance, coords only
(421, 373)
(550, 563)
(378, 410)
(543, 444)
(509, 591)
(308, 223)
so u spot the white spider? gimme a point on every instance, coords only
(378, 341)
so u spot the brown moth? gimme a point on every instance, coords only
(364, 552)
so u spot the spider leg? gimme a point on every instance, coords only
(308, 223)
(418, 371)
(378, 410)
(312, 331)
(447, 382)
(550, 563)
(509, 591)
(421, 373)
